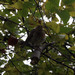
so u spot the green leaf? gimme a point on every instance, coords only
(17, 5)
(1, 37)
(52, 5)
(28, 5)
(37, 14)
(2, 13)
(2, 61)
(14, 19)
(9, 1)
(10, 26)
(31, 0)
(65, 29)
(23, 12)
(72, 13)
(6, 11)
(72, 48)
(43, 65)
(40, 71)
(64, 15)
(68, 2)
(55, 27)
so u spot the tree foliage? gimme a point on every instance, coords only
(18, 17)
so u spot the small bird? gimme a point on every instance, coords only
(36, 36)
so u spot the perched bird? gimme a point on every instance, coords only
(36, 36)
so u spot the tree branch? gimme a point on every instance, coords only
(6, 19)
(63, 55)
(58, 61)
(68, 50)
(37, 53)
(71, 32)
(15, 66)
(24, 25)
(40, 8)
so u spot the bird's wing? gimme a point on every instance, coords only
(30, 35)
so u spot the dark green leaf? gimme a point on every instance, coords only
(23, 12)
(31, 0)
(28, 5)
(65, 29)
(68, 2)
(6, 11)
(10, 26)
(9, 1)
(14, 19)
(52, 5)
(64, 15)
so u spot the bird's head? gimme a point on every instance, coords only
(39, 27)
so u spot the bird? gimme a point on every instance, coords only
(36, 36)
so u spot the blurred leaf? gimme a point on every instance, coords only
(52, 5)
(1, 36)
(71, 39)
(9, 1)
(23, 12)
(31, 0)
(6, 11)
(10, 26)
(43, 65)
(64, 15)
(10, 69)
(72, 13)
(72, 48)
(68, 2)
(28, 4)
(14, 19)
(55, 27)
(66, 37)
(73, 4)
(2, 13)
(65, 29)
(37, 14)
(40, 71)
(17, 5)
(2, 61)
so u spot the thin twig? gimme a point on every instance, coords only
(24, 25)
(71, 32)
(6, 19)
(15, 66)
(69, 50)
(39, 8)
(63, 55)
(58, 61)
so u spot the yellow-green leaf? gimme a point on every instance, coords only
(72, 48)
(72, 13)
(55, 27)
(73, 4)
(64, 15)
(66, 37)
(26, 0)
(40, 71)
(17, 5)
(43, 65)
